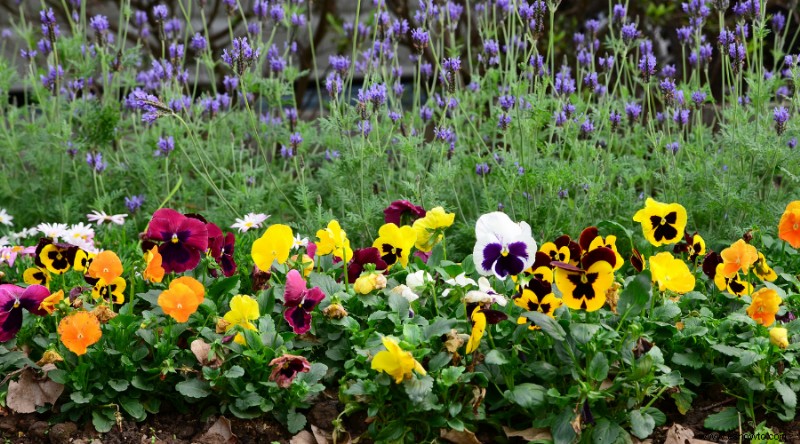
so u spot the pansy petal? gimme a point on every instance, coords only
(298, 319)
(32, 298)
(164, 224)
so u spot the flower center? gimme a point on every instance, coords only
(584, 279)
(504, 252)
(16, 303)
(180, 306)
(105, 270)
(174, 239)
(80, 335)
(663, 221)
(795, 226)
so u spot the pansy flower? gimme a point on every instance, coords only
(106, 266)
(82, 261)
(590, 239)
(395, 243)
(399, 210)
(49, 303)
(78, 331)
(430, 228)
(13, 299)
(153, 271)
(763, 270)
(369, 282)
(562, 249)
(637, 260)
(693, 245)
(537, 295)
(661, 223)
(244, 309)
(113, 291)
(739, 256)
(273, 246)
(671, 273)
(485, 294)
(182, 298)
(479, 317)
(286, 368)
(299, 302)
(789, 226)
(220, 247)
(779, 337)
(503, 248)
(540, 269)
(56, 258)
(710, 263)
(333, 240)
(36, 276)
(733, 284)
(362, 257)
(764, 306)
(396, 362)
(585, 288)
(183, 239)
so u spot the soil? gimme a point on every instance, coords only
(168, 428)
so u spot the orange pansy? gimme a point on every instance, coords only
(193, 284)
(78, 331)
(49, 303)
(739, 256)
(182, 298)
(789, 226)
(106, 265)
(154, 271)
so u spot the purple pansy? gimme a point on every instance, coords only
(503, 247)
(12, 300)
(183, 239)
(394, 213)
(299, 302)
(361, 257)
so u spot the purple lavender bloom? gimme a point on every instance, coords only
(681, 116)
(96, 162)
(667, 87)
(606, 63)
(587, 128)
(592, 26)
(685, 36)
(199, 42)
(669, 71)
(619, 13)
(364, 127)
(295, 140)
(420, 39)
(792, 143)
(99, 25)
(334, 84)
(568, 109)
(790, 60)
(230, 83)
(780, 116)
(160, 13)
(340, 64)
(394, 116)
(165, 146)
(726, 38)
(53, 74)
(698, 97)
(241, 56)
(491, 48)
(28, 55)
(176, 52)
(47, 17)
(563, 193)
(584, 57)
(742, 31)
(452, 64)
(286, 152)
(778, 22)
(629, 32)
(261, 9)
(133, 203)
(647, 66)
(560, 118)
(376, 93)
(633, 111)
(230, 7)
(783, 93)
(44, 46)
(506, 102)
(537, 63)
(298, 20)
(564, 84)
(674, 147)
(276, 12)
(331, 154)
(737, 53)
(615, 118)
(591, 81)
(482, 169)
(426, 113)
(503, 121)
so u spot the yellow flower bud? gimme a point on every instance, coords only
(779, 337)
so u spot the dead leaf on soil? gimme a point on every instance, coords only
(31, 391)
(304, 437)
(678, 434)
(201, 349)
(529, 434)
(456, 437)
(222, 429)
(636, 440)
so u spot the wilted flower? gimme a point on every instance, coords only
(286, 368)
(779, 336)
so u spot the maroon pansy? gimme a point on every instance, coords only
(12, 300)
(286, 368)
(183, 239)
(362, 257)
(300, 302)
(402, 209)
(226, 260)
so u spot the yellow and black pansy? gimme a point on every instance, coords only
(710, 263)
(661, 223)
(693, 245)
(540, 269)
(733, 285)
(537, 296)
(763, 270)
(637, 260)
(113, 292)
(36, 276)
(585, 288)
(479, 317)
(562, 249)
(590, 239)
(56, 258)
(82, 261)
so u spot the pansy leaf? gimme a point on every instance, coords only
(788, 396)
(642, 424)
(327, 284)
(223, 287)
(399, 305)
(547, 324)
(133, 407)
(119, 385)
(527, 395)
(583, 333)
(418, 388)
(439, 360)
(598, 367)
(636, 295)
(562, 430)
(450, 375)
(606, 432)
(437, 254)
(295, 421)
(193, 388)
(468, 264)
(495, 357)
(103, 419)
(234, 372)
(439, 327)
(727, 419)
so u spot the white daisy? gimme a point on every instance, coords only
(99, 217)
(6, 218)
(250, 221)
(299, 242)
(24, 234)
(79, 233)
(53, 231)
(4, 242)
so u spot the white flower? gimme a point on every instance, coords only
(485, 294)
(459, 281)
(99, 217)
(79, 233)
(405, 292)
(250, 220)
(6, 218)
(53, 231)
(4, 242)
(503, 248)
(299, 242)
(417, 281)
(24, 234)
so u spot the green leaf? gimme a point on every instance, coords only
(642, 424)
(141, 383)
(412, 333)
(418, 388)
(327, 284)
(119, 385)
(683, 401)
(193, 388)
(606, 432)
(439, 360)
(439, 327)
(690, 359)
(667, 312)
(562, 430)
(727, 419)
(295, 421)
(495, 357)
(583, 333)
(103, 419)
(450, 375)
(636, 295)
(234, 372)
(399, 305)
(133, 407)
(544, 370)
(547, 324)
(468, 264)
(437, 254)
(80, 397)
(598, 367)
(527, 395)
(223, 287)
(317, 372)
(788, 396)
(728, 350)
